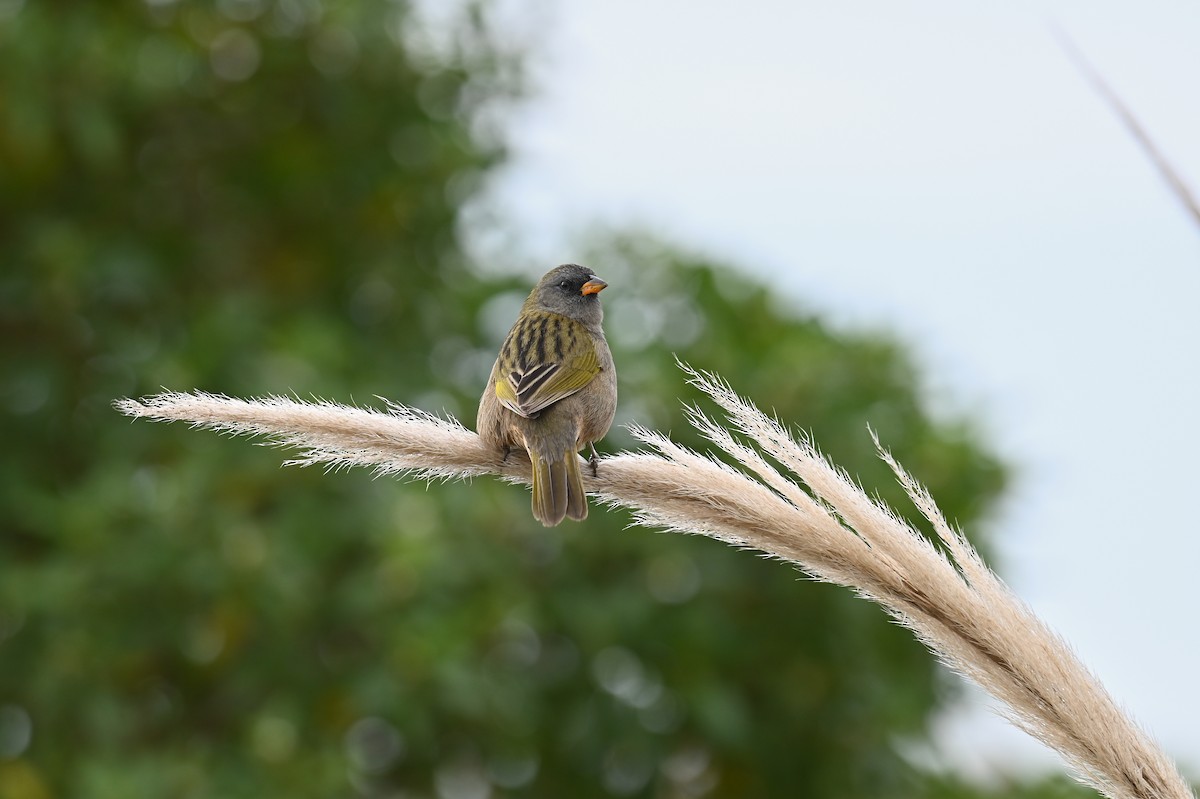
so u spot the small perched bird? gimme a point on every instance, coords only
(553, 389)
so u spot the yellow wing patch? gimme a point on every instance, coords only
(532, 375)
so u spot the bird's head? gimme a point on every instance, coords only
(571, 290)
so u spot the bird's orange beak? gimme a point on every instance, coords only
(593, 286)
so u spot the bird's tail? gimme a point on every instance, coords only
(558, 489)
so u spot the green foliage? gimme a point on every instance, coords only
(254, 197)
(1057, 787)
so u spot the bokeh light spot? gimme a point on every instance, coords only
(234, 55)
(461, 779)
(240, 10)
(627, 769)
(273, 739)
(373, 745)
(334, 51)
(16, 730)
(511, 773)
(619, 672)
(10, 8)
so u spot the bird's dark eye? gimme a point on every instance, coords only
(564, 284)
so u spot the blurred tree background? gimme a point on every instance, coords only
(265, 196)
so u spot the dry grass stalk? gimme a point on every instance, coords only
(833, 531)
(1165, 168)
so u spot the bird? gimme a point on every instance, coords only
(553, 389)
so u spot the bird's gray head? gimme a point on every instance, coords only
(571, 290)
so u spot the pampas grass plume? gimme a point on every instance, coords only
(807, 512)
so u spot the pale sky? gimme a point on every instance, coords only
(941, 170)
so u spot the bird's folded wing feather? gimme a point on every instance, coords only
(536, 386)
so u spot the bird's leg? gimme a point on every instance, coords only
(593, 461)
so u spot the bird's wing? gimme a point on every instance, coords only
(547, 371)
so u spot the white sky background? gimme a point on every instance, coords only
(941, 170)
